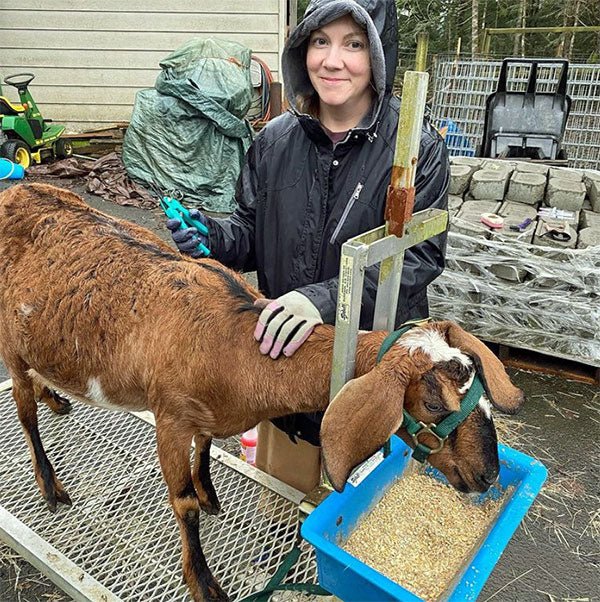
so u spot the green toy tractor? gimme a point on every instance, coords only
(25, 136)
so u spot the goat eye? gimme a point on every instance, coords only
(434, 408)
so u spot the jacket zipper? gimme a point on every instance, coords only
(347, 209)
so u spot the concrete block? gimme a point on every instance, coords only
(525, 187)
(499, 165)
(544, 238)
(590, 175)
(588, 237)
(460, 176)
(489, 184)
(515, 214)
(473, 162)
(527, 167)
(509, 271)
(565, 194)
(467, 220)
(566, 173)
(593, 190)
(475, 207)
(589, 219)
(454, 201)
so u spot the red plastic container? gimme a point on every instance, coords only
(248, 444)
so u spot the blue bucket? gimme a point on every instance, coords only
(10, 170)
(332, 522)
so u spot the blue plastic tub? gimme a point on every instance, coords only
(332, 522)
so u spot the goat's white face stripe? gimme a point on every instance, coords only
(486, 406)
(432, 343)
(484, 402)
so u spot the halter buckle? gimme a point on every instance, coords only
(428, 428)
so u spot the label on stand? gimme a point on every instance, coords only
(365, 469)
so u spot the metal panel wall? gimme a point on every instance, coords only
(90, 58)
(460, 89)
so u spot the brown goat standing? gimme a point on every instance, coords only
(105, 311)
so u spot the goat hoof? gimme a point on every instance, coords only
(63, 497)
(51, 504)
(211, 507)
(59, 404)
(58, 495)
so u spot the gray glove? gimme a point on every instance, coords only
(188, 239)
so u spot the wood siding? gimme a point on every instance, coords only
(90, 57)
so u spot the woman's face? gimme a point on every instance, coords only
(339, 66)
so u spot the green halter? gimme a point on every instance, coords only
(445, 427)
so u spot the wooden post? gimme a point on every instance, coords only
(276, 101)
(422, 48)
(400, 200)
(401, 192)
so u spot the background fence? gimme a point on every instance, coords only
(461, 87)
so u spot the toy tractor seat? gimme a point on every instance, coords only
(528, 124)
(8, 108)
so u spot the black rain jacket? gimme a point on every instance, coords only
(300, 197)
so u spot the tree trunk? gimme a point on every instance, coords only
(565, 38)
(575, 21)
(519, 45)
(484, 16)
(474, 27)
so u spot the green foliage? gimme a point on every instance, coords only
(448, 21)
(302, 4)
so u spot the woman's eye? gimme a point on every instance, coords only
(434, 408)
(356, 45)
(319, 42)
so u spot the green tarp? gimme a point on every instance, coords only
(188, 133)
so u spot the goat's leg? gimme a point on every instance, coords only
(57, 403)
(51, 488)
(173, 452)
(207, 496)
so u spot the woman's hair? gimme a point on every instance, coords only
(308, 104)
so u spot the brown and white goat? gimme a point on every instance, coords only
(108, 313)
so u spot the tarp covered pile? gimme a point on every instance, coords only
(188, 133)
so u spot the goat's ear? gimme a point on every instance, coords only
(359, 420)
(501, 392)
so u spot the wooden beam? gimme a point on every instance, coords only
(521, 30)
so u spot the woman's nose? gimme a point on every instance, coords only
(333, 59)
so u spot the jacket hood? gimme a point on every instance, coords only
(377, 17)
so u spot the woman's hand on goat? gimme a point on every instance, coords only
(285, 323)
(188, 239)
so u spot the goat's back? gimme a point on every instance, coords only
(82, 292)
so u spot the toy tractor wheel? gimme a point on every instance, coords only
(63, 148)
(17, 152)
